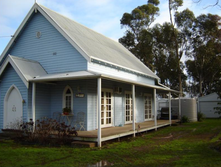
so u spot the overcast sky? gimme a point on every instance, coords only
(102, 16)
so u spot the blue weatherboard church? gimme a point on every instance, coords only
(52, 62)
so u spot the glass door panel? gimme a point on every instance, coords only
(106, 108)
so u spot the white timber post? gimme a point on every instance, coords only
(134, 107)
(99, 112)
(155, 108)
(170, 108)
(33, 102)
(179, 107)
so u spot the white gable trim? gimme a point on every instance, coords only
(17, 32)
(52, 21)
(63, 32)
(16, 68)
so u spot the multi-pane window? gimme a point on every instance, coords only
(148, 107)
(68, 98)
(106, 108)
(129, 108)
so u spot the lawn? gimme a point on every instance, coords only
(189, 144)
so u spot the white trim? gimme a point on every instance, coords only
(155, 108)
(18, 31)
(64, 99)
(64, 33)
(33, 101)
(99, 111)
(6, 99)
(148, 95)
(134, 108)
(112, 107)
(123, 67)
(16, 68)
(137, 83)
(47, 16)
(180, 107)
(125, 98)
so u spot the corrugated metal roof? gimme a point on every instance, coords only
(65, 76)
(26, 69)
(97, 46)
(90, 75)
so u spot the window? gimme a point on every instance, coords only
(68, 98)
(128, 107)
(147, 107)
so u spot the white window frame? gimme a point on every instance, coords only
(131, 108)
(64, 97)
(149, 95)
(112, 108)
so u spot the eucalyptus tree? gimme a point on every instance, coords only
(138, 38)
(211, 3)
(204, 67)
(173, 7)
(165, 61)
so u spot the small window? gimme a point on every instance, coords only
(68, 98)
(38, 34)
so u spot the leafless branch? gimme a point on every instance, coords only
(212, 5)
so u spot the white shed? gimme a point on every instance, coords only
(207, 103)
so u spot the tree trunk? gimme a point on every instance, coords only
(176, 49)
(200, 85)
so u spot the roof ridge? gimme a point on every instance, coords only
(78, 23)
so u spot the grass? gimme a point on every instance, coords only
(189, 144)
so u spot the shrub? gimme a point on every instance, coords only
(44, 130)
(200, 116)
(184, 119)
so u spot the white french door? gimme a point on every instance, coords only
(128, 107)
(147, 107)
(106, 108)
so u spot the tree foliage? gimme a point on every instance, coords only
(137, 38)
(162, 46)
(204, 67)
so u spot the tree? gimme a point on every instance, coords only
(173, 6)
(204, 66)
(161, 47)
(218, 91)
(165, 61)
(214, 3)
(137, 38)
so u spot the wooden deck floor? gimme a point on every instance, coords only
(117, 132)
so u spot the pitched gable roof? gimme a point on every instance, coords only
(91, 45)
(26, 69)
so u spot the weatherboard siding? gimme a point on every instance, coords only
(42, 104)
(9, 78)
(79, 103)
(118, 102)
(51, 50)
(92, 104)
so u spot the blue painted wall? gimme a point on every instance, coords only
(119, 102)
(9, 78)
(43, 104)
(57, 55)
(52, 50)
(79, 104)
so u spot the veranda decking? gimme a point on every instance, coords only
(121, 131)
